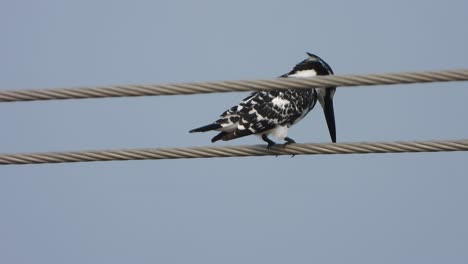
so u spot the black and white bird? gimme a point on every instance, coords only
(272, 112)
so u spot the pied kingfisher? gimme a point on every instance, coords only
(273, 112)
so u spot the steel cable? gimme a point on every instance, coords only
(234, 151)
(232, 86)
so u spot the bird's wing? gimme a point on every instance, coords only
(258, 113)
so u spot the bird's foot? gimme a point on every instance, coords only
(270, 142)
(289, 141)
(271, 145)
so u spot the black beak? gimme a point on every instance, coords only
(330, 115)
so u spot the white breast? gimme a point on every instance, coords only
(279, 132)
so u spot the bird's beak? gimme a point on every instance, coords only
(330, 115)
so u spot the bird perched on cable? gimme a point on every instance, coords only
(273, 112)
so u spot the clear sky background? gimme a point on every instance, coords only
(385, 208)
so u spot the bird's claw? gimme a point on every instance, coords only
(288, 141)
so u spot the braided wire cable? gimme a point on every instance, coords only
(233, 86)
(235, 151)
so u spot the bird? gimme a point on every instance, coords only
(273, 112)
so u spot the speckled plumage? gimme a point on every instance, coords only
(272, 112)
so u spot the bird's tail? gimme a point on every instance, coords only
(220, 136)
(206, 128)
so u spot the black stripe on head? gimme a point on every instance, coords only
(319, 65)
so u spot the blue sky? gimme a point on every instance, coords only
(384, 208)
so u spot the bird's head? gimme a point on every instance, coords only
(313, 66)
